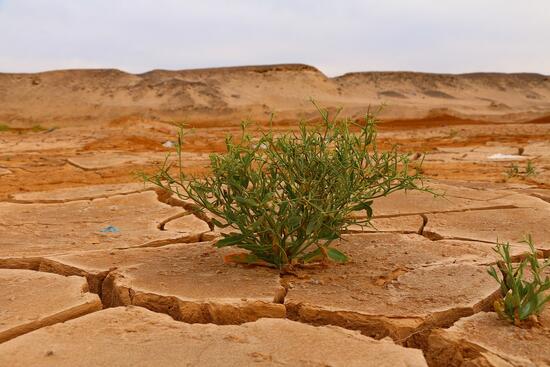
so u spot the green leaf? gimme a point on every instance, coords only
(336, 255)
(492, 272)
(328, 233)
(311, 227)
(294, 221)
(312, 256)
(230, 240)
(365, 205)
(369, 211)
(218, 224)
(246, 201)
(527, 309)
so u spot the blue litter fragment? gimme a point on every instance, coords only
(110, 229)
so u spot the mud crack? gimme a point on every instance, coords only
(166, 197)
(503, 207)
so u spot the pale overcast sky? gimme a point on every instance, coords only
(335, 36)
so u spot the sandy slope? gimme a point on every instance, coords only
(223, 95)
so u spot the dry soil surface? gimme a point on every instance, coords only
(99, 269)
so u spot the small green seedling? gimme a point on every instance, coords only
(521, 299)
(515, 171)
(288, 197)
(530, 169)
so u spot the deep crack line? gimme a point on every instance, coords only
(46, 265)
(501, 207)
(165, 196)
(74, 312)
(188, 238)
(162, 224)
(89, 198)
(541, 197)
(424, 223)
(437, 237)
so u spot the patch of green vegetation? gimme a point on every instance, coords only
(515, 171)
(38, 128)
(35, 128)
(521, 299)
(289, 196)
(530, 169)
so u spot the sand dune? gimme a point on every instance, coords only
(225, 95)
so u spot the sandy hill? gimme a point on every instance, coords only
(219, 95)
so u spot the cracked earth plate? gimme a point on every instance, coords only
(188, 281)
(505, 225)
(30, 300)
(30, 230)
(137, 337)
(89, 192)
(395, 285)
(485, 340)
(101, 160)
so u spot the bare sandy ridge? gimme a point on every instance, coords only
(223, 95)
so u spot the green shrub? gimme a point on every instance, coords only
(289, 196)
(515, 171)
(521, 299)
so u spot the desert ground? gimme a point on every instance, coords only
(99, 269)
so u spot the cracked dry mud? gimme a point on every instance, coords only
(134, 336)
(31, 300)
(485, 340)
(30, 230)
(78, 193)
(487, 226)
(418, 283)
(154, 291)
(400, 283)
(396, 285)
(186, 281)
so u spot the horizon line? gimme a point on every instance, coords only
(269, 67)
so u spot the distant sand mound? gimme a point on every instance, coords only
(225, 95)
